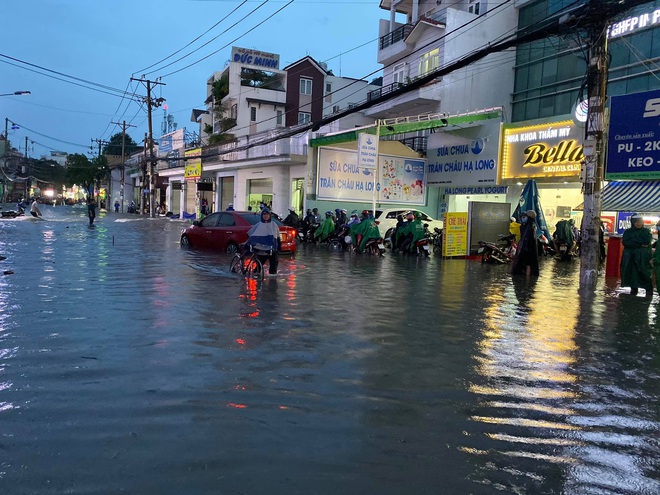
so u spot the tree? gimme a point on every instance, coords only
(114, 145)
(85, 172)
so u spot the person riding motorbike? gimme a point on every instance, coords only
(396, 233)
(363, 232)
(414, 232)
(353, 220)
(340, 216)
(326, 229)
(292, 219)
(564, 235)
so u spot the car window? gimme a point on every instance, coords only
(210, 221)
(227, 220)
(251, 218)
(393, 214)
(425, 217)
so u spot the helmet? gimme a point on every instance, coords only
(265, 210)
(315, 209)
(337, 211)
(354, 213)
(365, 212)
(329, 213)
(344, 211)
(291, 208)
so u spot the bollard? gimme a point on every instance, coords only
(614, 254)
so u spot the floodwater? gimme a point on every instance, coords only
(129, 364)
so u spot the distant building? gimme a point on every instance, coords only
(59, 157)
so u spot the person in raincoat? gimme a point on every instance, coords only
(396, 233)
(527, 256)
(363, 232)
(402, 231)
(326, 229)
(265, 237)
(564, 233)
(414, 232)
(514, 228)
(636, 260)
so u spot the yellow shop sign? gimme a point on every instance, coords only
(548, 149)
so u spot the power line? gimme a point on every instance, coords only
(235, 39)
(92, 83)
(198, 37)
(209, 41)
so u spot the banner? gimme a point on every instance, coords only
(192, 170)
(633, 145)
(464, 157)
(455, 234)
(367, 150)
(400, 180)
(170, 142)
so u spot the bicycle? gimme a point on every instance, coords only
(247, 262)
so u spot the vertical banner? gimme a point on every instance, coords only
(192, 170)
(367, 151)
(455, 236)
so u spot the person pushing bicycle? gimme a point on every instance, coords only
(264, 240)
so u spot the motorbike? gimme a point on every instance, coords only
(435, 240)
(563, 253)
(18, 212)
(503, 251)
(375, 247)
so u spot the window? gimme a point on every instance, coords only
(279, 117)
(328, 87)
(304, 117)
(305, 86)
(253, 114)
(429, 61)
(335, 109)
(227, 220)
(473, 7)
(233, 113)
(399, 73)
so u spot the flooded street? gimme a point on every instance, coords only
(129, 364)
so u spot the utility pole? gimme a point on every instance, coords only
(151, 103)
(101, 143)
(124, 125)
(594, 148)
(27, 171)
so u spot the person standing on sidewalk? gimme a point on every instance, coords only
(636, 260)
(527, 256)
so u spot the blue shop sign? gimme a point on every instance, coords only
(633, 148)
(623, 221)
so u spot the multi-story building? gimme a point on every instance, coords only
(314, 92)
(247, 97)
(431, 35)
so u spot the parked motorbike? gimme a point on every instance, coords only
(18, 212)
(435, 240)
(503, 251)
(375, 247)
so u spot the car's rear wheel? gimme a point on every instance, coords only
(185, 241)
(232, 248)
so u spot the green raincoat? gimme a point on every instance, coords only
(368, 229)
(327, 228)
(416, 228)
(564, 232)
(635, 262)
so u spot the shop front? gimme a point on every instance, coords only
(550, 151)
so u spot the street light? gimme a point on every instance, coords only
(17, 93)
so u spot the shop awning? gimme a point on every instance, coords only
(638, 196)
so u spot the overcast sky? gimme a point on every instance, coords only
(105, 42)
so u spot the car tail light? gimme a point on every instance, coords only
(377, 222)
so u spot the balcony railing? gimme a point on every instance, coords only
(417, 143)
(397, 35)
(377, 93)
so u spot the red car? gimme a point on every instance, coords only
(225, 230)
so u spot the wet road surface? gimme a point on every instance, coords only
(129, 364)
